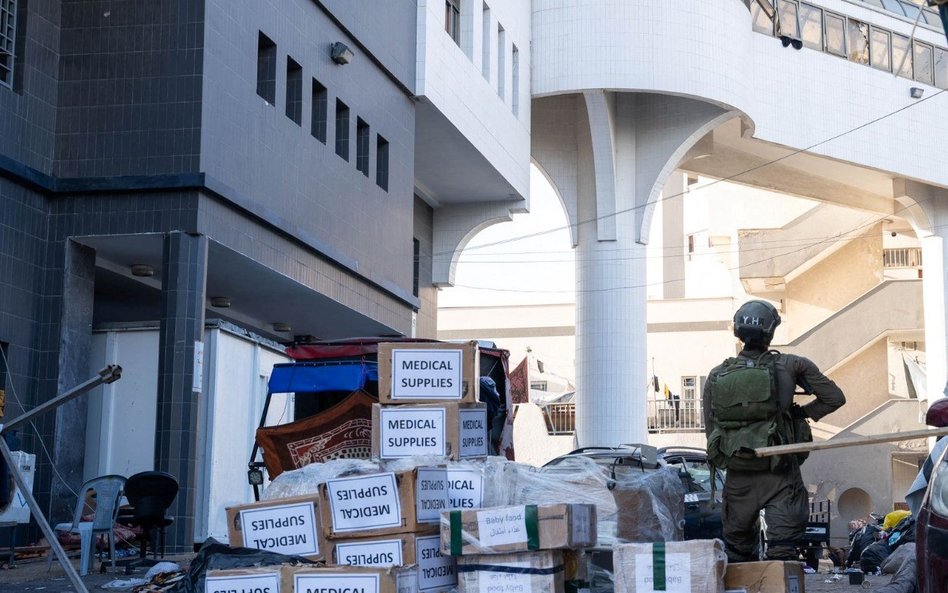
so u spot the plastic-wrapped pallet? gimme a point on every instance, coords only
(580, 481)
(306, 480)
(695, 566)
(650, 506)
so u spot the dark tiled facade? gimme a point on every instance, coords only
(135, 119)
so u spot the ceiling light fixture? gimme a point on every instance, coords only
(142, 270)
(282, 327)
(221, 302)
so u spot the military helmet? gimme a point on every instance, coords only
(756, 321)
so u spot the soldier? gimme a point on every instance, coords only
(748, 404)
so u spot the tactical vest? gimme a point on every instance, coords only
(746, 415)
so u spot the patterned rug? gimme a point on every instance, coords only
(344, 431)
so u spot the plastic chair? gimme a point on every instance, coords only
(108, 494)
(150, 494)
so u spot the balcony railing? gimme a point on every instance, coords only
(674, 415)
(902, 257)
(560, 418)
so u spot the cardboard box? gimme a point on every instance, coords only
(536, 572)
(455, 431)
(419, 372)
(695, 566)
(765, 577)
(304, 579)
(364, 506)
(289, 526)
(521, 528)
(439, 489)
(436, 571)
(244, 580)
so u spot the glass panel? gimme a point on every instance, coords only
(880, 51)
(941, 68)
(787, 13)
(874, 2)
(858, 42)
(893, 6)
(835, 34)
(811, 24)
(909, 9)
(762, 23)
(900, 51)
(932, 18)
(923, 63)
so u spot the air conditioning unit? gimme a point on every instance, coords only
(15, 510)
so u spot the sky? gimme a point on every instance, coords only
(535, 270)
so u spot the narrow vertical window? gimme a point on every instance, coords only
(941, 68)
(880, 50)
(811, 26)
(381, 162)
(787, 19)
(318, 121)
(923, 63)
(294, 91)
(835, 28)
(762, 16)
(452, 19)
(266, 68)
(501, 67)
(901, 55)
(415, 265)
(362, 146)
(8, 17)
(515, 81)
(858, 41)
(342, 129)
(485, 43)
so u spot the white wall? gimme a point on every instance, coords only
(450, 77)
(120, 435)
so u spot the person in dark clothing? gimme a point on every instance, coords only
(773, 485)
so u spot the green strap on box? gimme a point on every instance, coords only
(531, 520)
(658, 566)
(455, 518)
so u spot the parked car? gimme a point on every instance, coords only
(702, 519)
(932, 531)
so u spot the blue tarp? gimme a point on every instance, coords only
(335, 376)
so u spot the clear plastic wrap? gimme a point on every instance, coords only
(650, 506)
(579, 481)
(700, 562)
(305, 481)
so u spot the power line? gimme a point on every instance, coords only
(709, 184)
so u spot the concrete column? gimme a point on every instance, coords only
(933, 296)
(184, 281)
(75, 334)
(673, 237)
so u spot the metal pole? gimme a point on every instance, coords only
(851, 442)
(41, 520)
(109, 374)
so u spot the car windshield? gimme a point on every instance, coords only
(700, 473)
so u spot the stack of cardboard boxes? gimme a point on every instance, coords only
(518, 549)
(378, 533)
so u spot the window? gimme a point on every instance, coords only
(266, 69)
(8, 17)
(762, 15)
(787, 19)
(941, 68)
(515, 82)
(858, 41)
(835, 27)
(485, 43)
(501, 69)
(452, 19)
(924, 61)
(415, 265)
(294, 91)
(901, 55)
(318, 121)
(342, 129)
(362, 146)
(539, 385)
(811, 26)
(381, 162)
(880, 49)
(689, 388)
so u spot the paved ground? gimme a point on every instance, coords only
(31, 576)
